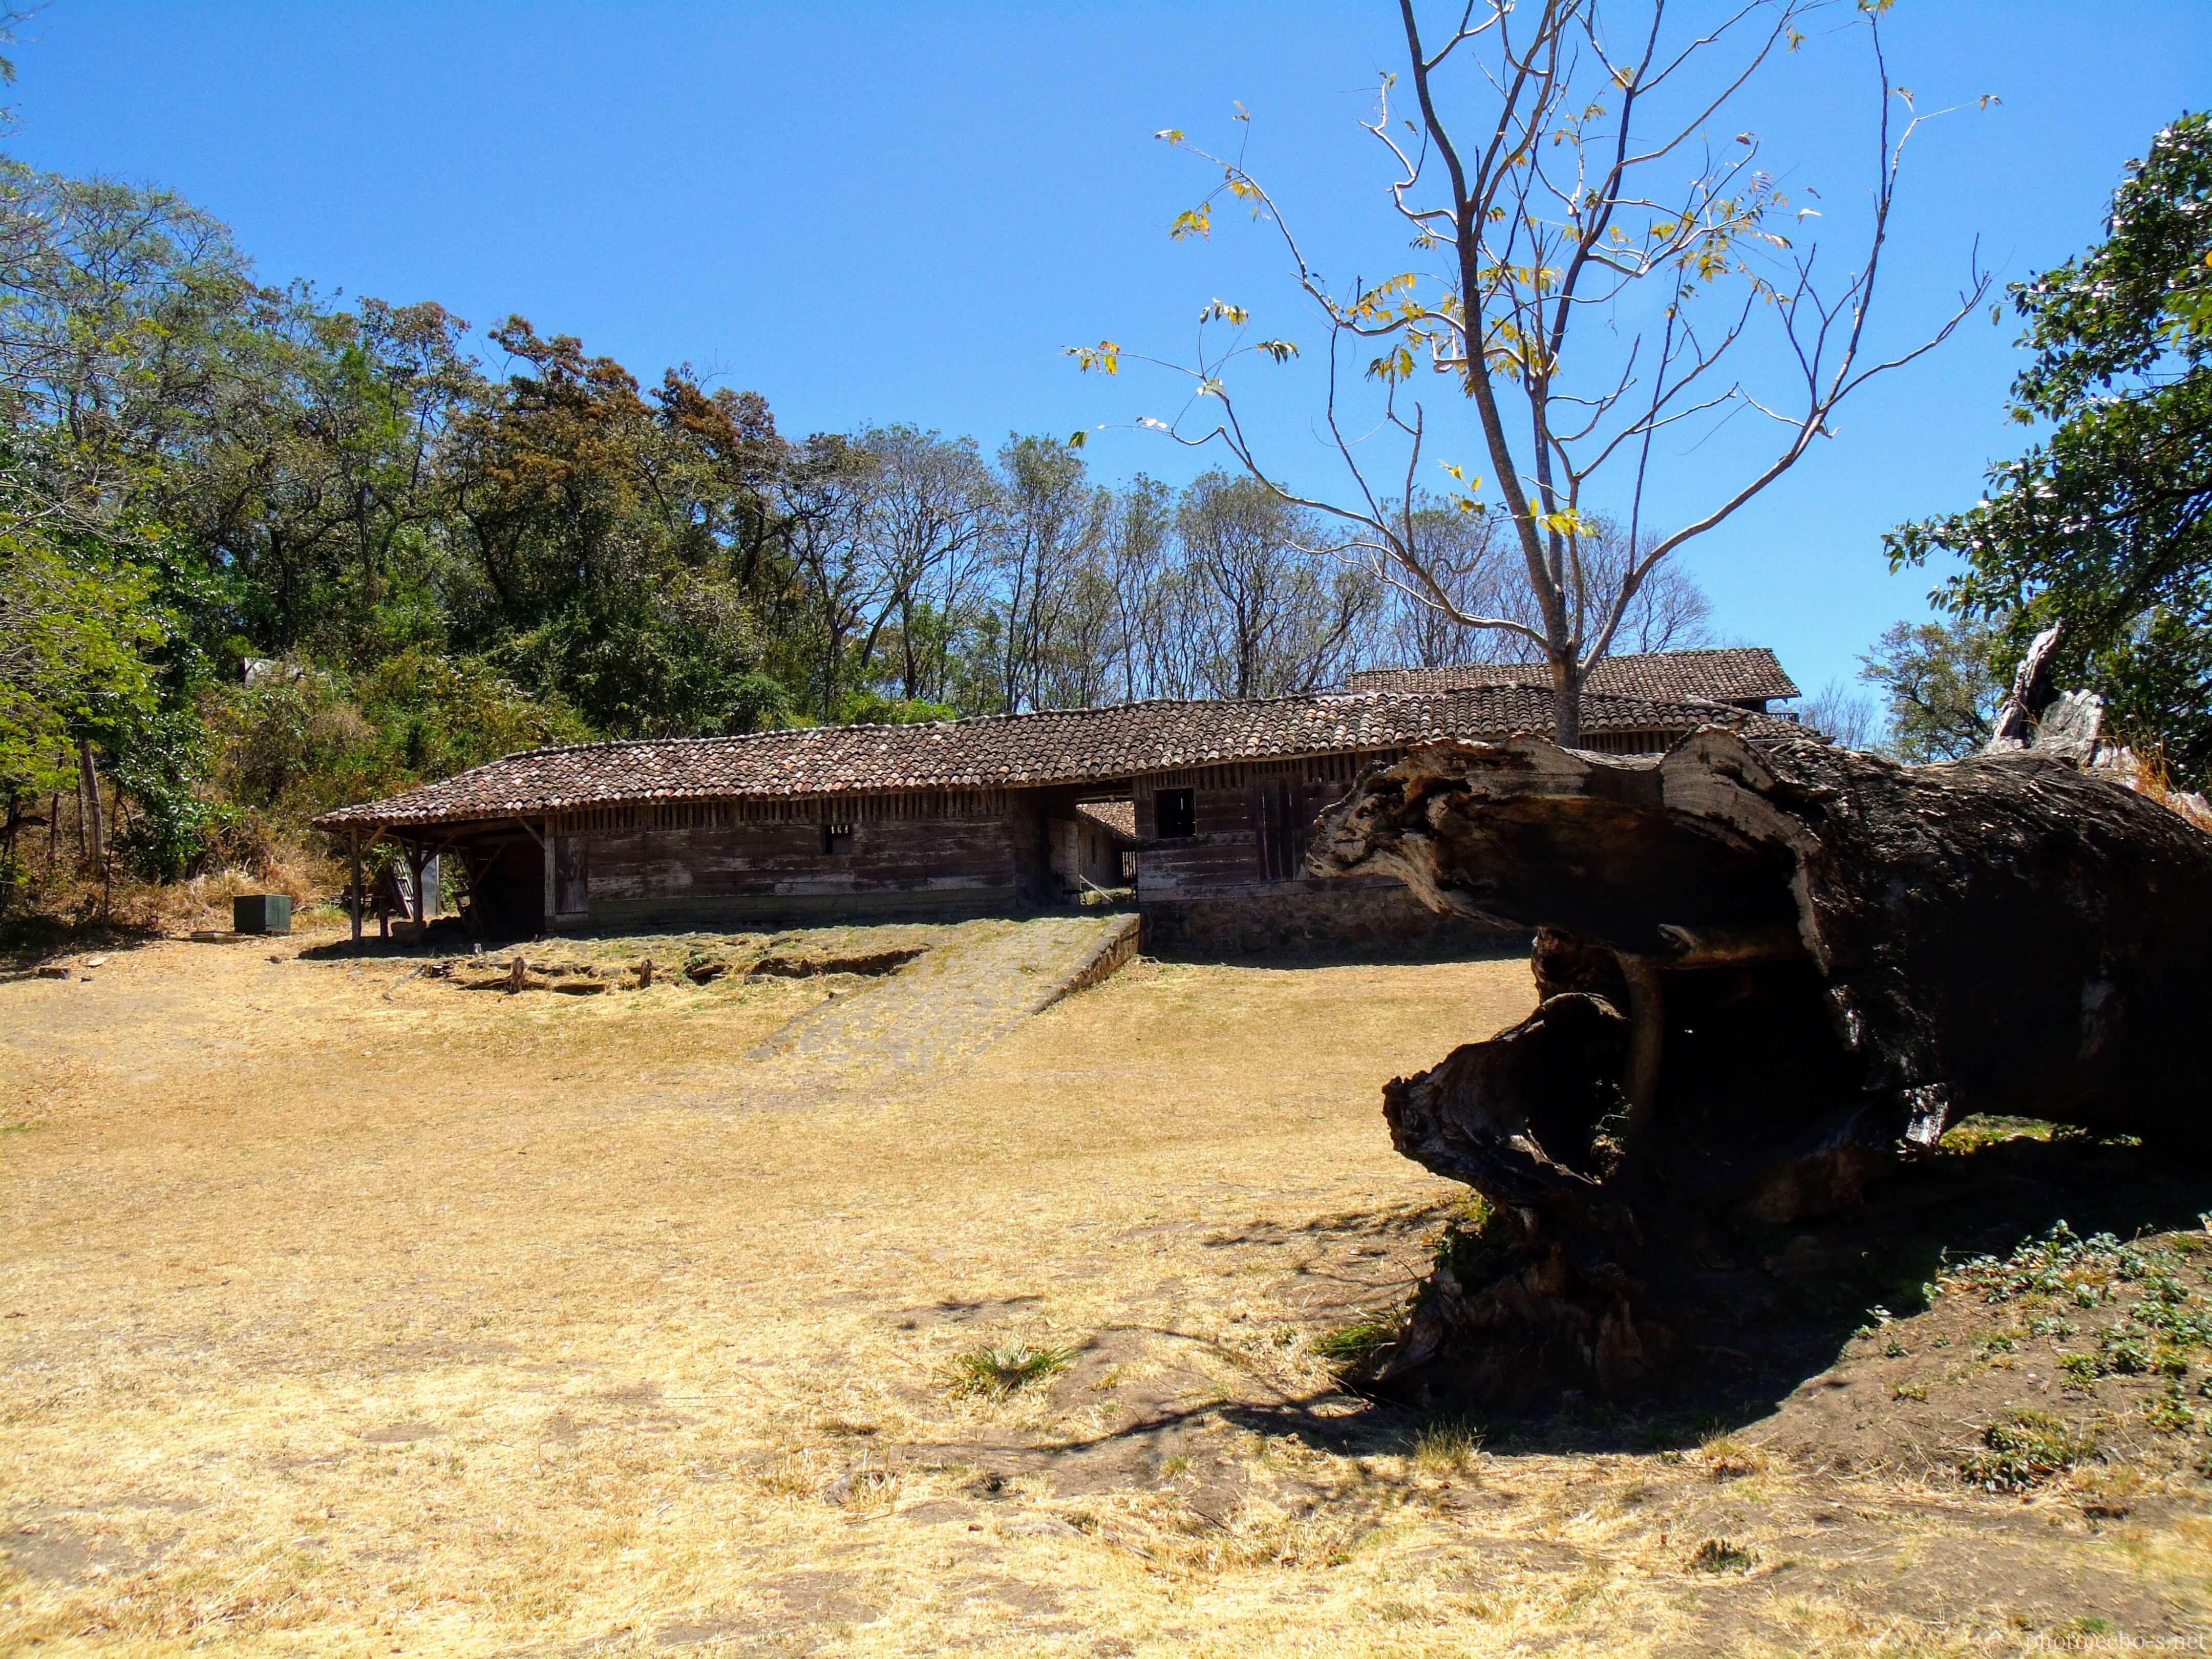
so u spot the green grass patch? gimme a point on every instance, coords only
(1720, 1555)
(1351, 1346)
(1451, 1447)
(2082, 1370)
(995, 1373)
(2170, 1413)
(2024, 1451)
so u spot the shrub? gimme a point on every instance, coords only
(1724, 1555)
(2025, 1450)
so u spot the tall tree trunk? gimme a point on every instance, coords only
(1567, 701)
(10, 877)
(92, 818)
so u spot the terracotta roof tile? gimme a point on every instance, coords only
(1057, 746)
(1116, 817)
(1741, 673)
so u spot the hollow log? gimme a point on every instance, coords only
(1768, 974)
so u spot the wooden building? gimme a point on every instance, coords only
(1208, 805)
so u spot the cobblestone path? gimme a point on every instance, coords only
(979, 982)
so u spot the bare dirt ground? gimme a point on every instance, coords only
(349, 1311)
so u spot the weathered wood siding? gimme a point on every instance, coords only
(1254, 821)
(766, 860)
(777, 859)
(1100, 855)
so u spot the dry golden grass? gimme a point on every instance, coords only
(65, 903)
(350, 1313)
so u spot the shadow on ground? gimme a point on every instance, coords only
(1502, 947)
(1821, 1285)
(30, 941)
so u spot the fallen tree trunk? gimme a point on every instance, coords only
(1768, 974)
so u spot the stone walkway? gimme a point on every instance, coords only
(967, 992)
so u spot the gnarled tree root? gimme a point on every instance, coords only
(1768, 974)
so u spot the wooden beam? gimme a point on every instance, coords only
(353, 845)
(545, 844)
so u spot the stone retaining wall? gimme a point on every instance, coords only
(1321, 919)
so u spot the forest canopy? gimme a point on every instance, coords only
(264, 551)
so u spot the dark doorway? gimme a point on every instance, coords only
(1175, 813)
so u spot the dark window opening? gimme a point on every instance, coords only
(837, 838)
(1176, 813)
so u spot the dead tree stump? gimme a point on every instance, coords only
(1768, 974)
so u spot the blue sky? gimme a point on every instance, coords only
(878, 213)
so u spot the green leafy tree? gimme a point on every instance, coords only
(76, 636)
(120, 308)
(1937, 685)
(2106, 524)
(314, 477)
(621, 549)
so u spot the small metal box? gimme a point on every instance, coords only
(261, 913)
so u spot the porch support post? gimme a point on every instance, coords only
(353, 849)
(546, 841)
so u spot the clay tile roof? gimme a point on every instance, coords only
(1117, 817)
(1053, 746)
(1736, 673)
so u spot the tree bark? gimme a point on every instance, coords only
(91, 814)
(1768, 974)
(1567, 701)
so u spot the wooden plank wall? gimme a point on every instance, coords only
(1255, 818)
(1254, 821)
(915, 843)
(948, 852)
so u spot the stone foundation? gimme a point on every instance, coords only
(1320, 918)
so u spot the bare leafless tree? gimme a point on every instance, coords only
(1277, 623)
(925, 519)
(1564, 179)
(1477, 562)
(1047, 532)
(1843, 713)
